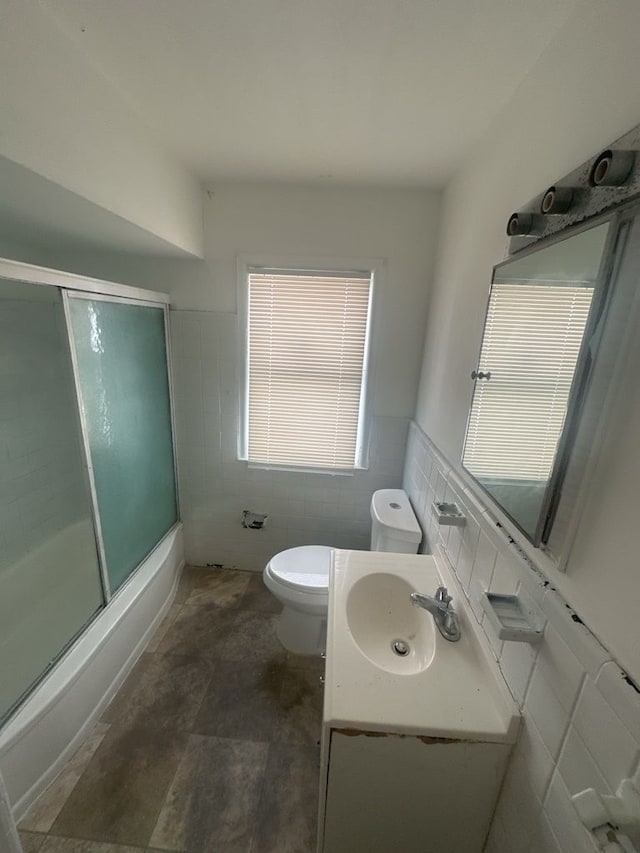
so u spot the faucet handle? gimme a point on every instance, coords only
(442, 594)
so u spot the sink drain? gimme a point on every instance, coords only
(400, 648)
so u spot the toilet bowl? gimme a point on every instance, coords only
(299, 577)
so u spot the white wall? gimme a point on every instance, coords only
(581, 718)
(580, 97)
(293, 223)
(63, 120)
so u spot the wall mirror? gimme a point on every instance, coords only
(539, 337)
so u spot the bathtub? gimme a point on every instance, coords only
(45, 731)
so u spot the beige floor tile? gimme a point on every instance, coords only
(163, 628)
(47, 807)
(119, 796)
(164, 691)
(210, 745)
(301, 700)
(222, 587)
(76, 845)
(242, 701)
(252, 638)
(214, 797)
(31, 841)
(258, 598)
(199, 631)
(287, 815)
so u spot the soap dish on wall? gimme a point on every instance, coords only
(449, 514)
(511, 619)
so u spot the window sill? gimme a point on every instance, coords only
(296, 469)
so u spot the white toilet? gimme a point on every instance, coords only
(299, 577)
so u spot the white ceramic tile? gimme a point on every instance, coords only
(531, 751)
(621, 695)
(440, 486)
(464, 566)
(608, 740)
(481, 574)
(518, 808)
(471, 530)
(431, 534)
(548, 714)
(560, 668)
(497, 841)
(504, 580)
(543, 840)
(494, 641)
(578, 769)
(425, 463)
(516, 663)
(534, 584)
(452, 545)
(571, 835)
(579, 639)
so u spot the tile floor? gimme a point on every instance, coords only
(210, 746)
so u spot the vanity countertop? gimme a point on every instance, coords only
(451, 690)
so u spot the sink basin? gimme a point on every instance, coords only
(438, 689)
(388, 629)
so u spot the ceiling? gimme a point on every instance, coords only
(340, 92)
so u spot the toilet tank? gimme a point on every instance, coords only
(394, 526)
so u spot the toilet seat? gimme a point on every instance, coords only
(305, 568)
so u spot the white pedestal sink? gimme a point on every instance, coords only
(414, 745)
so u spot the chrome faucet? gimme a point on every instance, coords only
(440, 608)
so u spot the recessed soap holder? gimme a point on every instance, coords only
(447, 513)
(512, 619)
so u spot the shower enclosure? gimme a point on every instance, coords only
(87, 473)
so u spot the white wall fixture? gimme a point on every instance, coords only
(619, 812)
(511, 619)
(447, 514)
(598, 185)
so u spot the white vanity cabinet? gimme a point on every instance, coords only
(389, 792)
(414, 748)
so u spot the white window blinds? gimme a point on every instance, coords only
(307, 342)
(531, 343)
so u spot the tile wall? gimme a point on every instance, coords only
(215, 487)
(581, 716)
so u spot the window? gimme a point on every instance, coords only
(307, 342)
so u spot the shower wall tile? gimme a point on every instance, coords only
(215, 487)
(581, 714)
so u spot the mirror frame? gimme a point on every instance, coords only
(611, 254)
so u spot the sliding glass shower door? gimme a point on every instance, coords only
(122, 373)
(49, 576)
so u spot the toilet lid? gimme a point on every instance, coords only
(303, 568)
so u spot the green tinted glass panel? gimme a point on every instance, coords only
(122, 366)
(49, 578)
